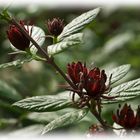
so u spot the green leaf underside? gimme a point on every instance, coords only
(67, 119)
(66, 43)
(17, 63)
(44, 103)
(118, 73)
(79, 23)
(9, 93)
(125, 91)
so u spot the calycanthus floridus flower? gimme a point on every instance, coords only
(127, 118)
(20, 42)
(93, 81)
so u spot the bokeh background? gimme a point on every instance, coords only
(111, 40)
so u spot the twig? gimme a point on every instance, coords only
(43, 53)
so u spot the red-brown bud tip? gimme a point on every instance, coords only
(55, 26)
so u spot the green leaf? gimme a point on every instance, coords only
(47, 117)
(44, 103)
(67, 119)
(17, 63)
(117, 100)
(118, 73)
(79, 23)
(70, 41)
(38, 35)
(5, 15)
(42, 117)
(9, 93)
(117, 42)
(125, 91)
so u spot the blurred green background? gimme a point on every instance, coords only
(111, 40)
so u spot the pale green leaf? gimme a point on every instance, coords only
(46, 117)
(38, 35)
(42, 117)
(44, 103)
(118, 73)
(125, 91)
(117, 100)
(117, 42)
(67, 119)
(17, 63)
(70, 41)
(9, 93)
(79, 23)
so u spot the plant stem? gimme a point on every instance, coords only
(97, 114)
(98, 117)
(43, 53)
(54, 40)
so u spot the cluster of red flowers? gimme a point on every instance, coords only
(127, 118)
(93, 81)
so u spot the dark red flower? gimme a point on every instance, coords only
(17, 38)
(126, 118)
(55, 26)
(93, 81)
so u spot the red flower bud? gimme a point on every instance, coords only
(17, 38)
(55, 26)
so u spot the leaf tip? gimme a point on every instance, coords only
(129, 66)
(15, 104)
(44, 131)
(97, 10)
